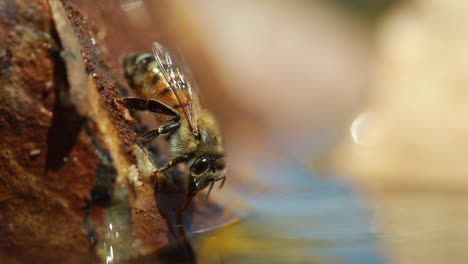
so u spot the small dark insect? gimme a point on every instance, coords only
(195, 138)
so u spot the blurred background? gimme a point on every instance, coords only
(344, 122)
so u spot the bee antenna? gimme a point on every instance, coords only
(209, 190)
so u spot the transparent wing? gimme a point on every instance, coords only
(178, 83)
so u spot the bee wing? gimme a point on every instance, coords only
(179, 83)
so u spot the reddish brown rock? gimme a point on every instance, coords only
(48, 161)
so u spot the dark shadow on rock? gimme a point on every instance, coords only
(66, 121)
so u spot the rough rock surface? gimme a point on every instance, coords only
(66, 146)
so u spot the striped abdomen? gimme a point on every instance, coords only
(146, 79)
(151, 82)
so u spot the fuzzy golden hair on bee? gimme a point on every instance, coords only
(209, 142)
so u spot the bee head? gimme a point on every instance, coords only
(206, 170)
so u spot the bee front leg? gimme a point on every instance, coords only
(162, 130)
(174, 162)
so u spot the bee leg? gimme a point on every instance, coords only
(162, 130)
(222, 182)
(174, 162)
(170, 164)
(186, 203)
(150, 105)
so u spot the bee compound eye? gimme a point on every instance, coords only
(200, 166)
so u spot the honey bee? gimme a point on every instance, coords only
(192, 132)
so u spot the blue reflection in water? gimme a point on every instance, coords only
(310, 207)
